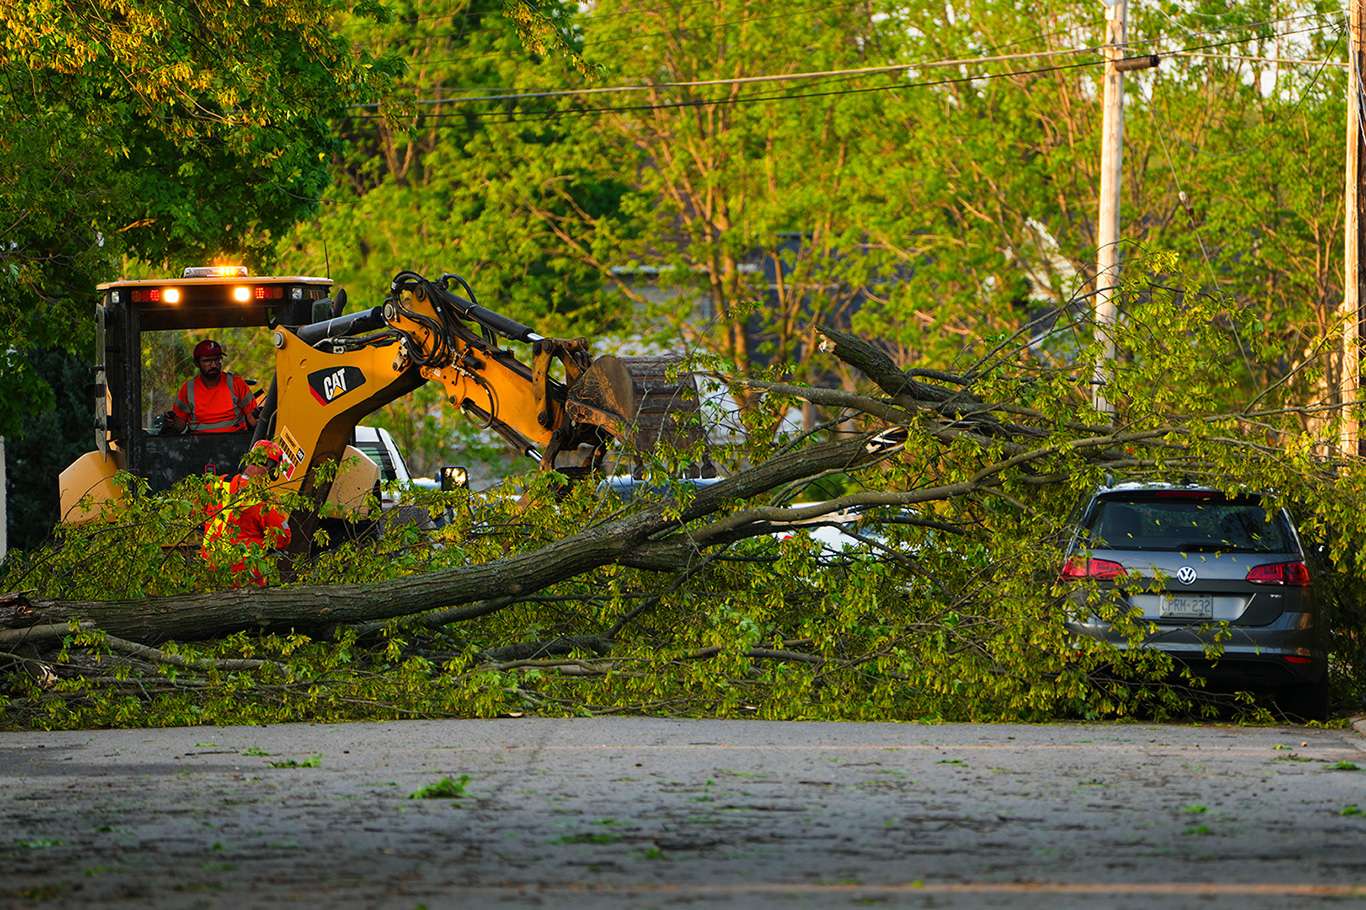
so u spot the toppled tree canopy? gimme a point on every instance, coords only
(709, 599)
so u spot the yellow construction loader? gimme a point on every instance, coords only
(568, 411)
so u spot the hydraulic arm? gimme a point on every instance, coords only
(329, 375)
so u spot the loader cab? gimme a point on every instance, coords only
(144, 330)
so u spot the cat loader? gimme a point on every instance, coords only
(568, 411)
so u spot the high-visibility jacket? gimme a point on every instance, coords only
(241, 524)
(220, 408)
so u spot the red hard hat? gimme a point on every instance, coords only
(208, 348)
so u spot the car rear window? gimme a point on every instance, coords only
(1187, 523)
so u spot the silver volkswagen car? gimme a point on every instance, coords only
(1205, 560)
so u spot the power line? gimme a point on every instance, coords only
(1288, 61)
(510, 116)
(777, 77)
(825, 74)
(1205, 33)
(747, 80)
(1337, 40)
(1204, 151)
(520, 116)
(512, 90)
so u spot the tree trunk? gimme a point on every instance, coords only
(205, 616)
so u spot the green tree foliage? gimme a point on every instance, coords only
(54, 432)
(434, 189)
(941, 209)
(954, 611)
(931, 206)
(946, 208)
(168, 132)
(751, 198)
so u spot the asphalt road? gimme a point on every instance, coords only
(646, 813)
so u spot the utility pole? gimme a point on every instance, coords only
(1107, 227)
(1350, 313)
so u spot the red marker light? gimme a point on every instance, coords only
(1291, 574)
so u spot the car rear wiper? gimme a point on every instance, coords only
(1204, 546)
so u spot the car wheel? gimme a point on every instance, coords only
(1305, 702)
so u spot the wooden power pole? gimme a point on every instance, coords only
(1350, 315)
(1107, 229)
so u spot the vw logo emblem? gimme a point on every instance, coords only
(1185, 575)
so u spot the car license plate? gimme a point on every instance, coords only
(1187, 606)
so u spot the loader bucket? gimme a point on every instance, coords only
(635, 400)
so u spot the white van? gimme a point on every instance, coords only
(379, 447)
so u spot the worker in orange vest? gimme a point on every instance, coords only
(241, 523)
(213, 401)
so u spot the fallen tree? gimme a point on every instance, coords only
(973, 473)
(659, 536)
(641, 539)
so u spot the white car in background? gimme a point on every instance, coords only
(839, 534)
(378, 445)
(853, 532)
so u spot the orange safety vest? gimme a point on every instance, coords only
(220, 409)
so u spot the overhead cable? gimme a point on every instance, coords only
(749, 80)
(779, 77)
(1287, 61)
(499, 116)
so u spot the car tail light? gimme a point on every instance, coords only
(1298, 659)
(1293, 574)
(1090, 567)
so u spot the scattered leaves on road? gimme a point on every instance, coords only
(446, 788)
(313, 761)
